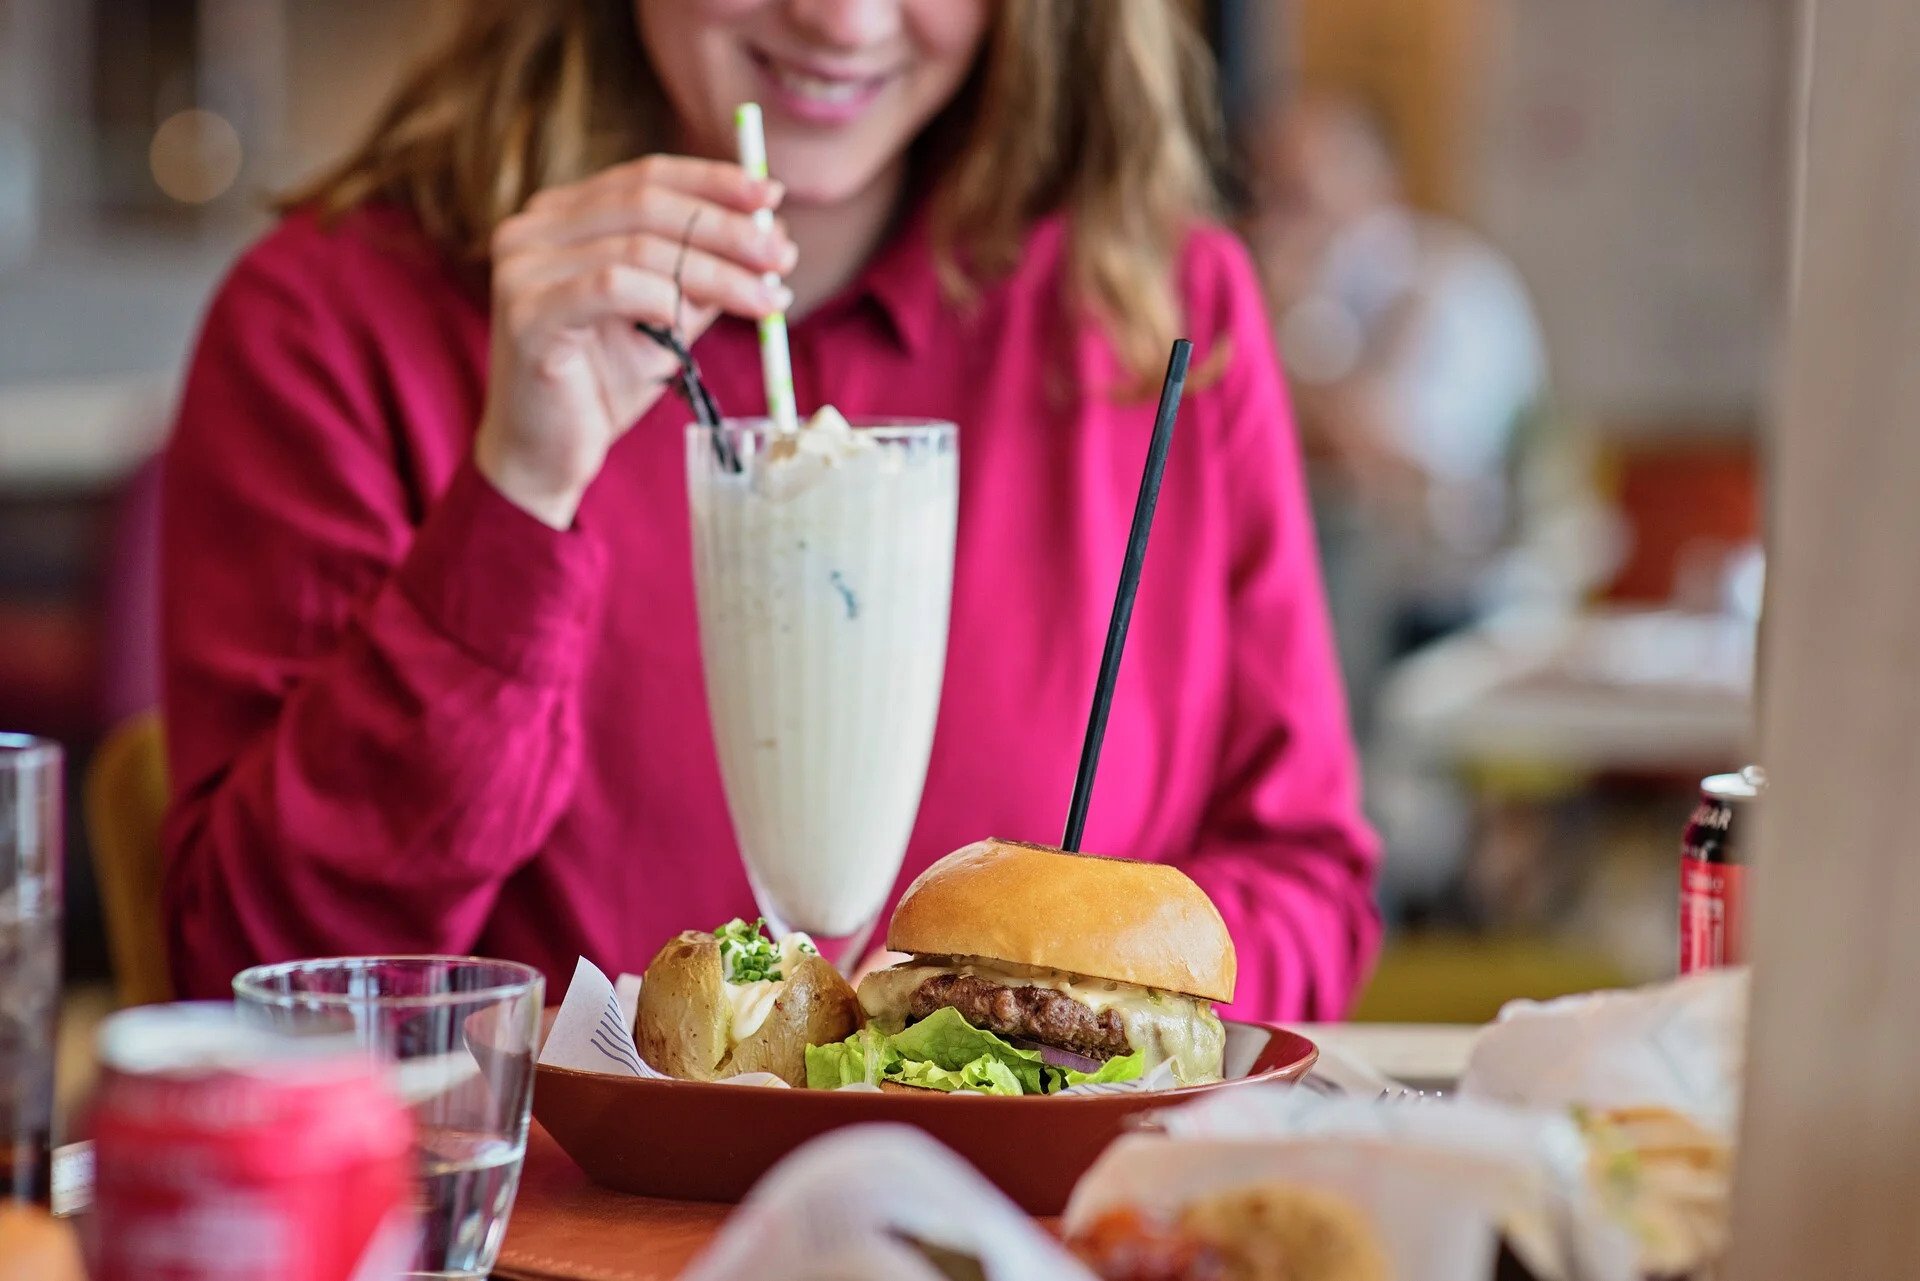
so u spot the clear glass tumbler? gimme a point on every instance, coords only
(823, 566)
(32, 854)
(461, 1033)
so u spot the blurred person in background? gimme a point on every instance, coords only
(1415, 361)
(432, 664)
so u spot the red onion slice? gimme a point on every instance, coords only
(1056, 1057)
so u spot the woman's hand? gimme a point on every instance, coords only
(571, 273)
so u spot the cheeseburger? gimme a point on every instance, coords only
(1034, 970)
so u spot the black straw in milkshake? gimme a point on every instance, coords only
(693, 388)
(1129, 587)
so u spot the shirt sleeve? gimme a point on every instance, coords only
(1284, 851)
(367, 734)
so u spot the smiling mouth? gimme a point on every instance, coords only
(825, 90)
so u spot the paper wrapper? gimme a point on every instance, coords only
(842, 1207)
(1441, 1180)
(1432, 1221)
(1625, 1055)
(593, 1032)
(1678, 1045)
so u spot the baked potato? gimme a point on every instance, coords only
(720, 1004)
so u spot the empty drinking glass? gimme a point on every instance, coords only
(461, 1033)
(31, 854)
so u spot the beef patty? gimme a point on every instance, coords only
(1038, 1013)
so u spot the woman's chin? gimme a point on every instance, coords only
(813, 195)
(814, 184)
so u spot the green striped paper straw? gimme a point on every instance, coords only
(776, 363)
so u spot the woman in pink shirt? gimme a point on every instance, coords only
(432, 666)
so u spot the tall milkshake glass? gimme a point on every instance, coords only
(823, 565)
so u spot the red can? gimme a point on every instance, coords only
(1713, 871)
(226, 1151)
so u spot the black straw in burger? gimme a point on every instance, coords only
(1038, 969)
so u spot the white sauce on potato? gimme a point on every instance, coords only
(751, 1003)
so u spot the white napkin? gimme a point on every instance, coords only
(1431, 1216)
(838, 1207)
(1523, 1170)
(1679, 1045)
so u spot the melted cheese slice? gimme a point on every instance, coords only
(1166, 1025)
(752, 1002)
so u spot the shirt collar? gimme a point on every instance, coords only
(901, 282)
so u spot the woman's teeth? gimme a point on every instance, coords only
(819, 89)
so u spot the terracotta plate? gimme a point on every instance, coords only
(693, 1141)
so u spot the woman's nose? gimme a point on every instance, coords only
(846, 24)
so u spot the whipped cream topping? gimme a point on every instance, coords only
(826, 436)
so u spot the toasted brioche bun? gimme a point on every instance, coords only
(1106, 918)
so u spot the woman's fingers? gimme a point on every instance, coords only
(613, 290)
(708, 279)
(663, 194)
(720, 181)
(659, 211)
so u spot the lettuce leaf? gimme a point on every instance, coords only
(862, 1058)
(945, 1052)
(984, 1075)
(1123, 1067)
(946, 1040)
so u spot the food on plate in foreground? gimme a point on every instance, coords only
(33, 1244)
(1035, 970)
(1266, 1232)
(732, 1001)
(1666, 1179)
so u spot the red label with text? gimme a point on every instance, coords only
(1712, 915)
(242, 1170)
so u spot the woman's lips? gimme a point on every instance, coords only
(811, 97)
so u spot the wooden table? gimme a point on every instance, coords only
(560, 1220)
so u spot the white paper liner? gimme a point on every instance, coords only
(1678, 1045)
(593, 1032)
(837, 1206)
(1433, 1216)
(1521, 1170)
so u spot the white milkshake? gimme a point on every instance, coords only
(824, 572)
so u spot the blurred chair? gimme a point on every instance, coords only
(126, 799)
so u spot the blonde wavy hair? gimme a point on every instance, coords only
(1101, 109)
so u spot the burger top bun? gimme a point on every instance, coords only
(1108, 918)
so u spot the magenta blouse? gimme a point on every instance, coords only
(405, 716)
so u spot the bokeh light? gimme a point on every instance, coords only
(195, 156)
